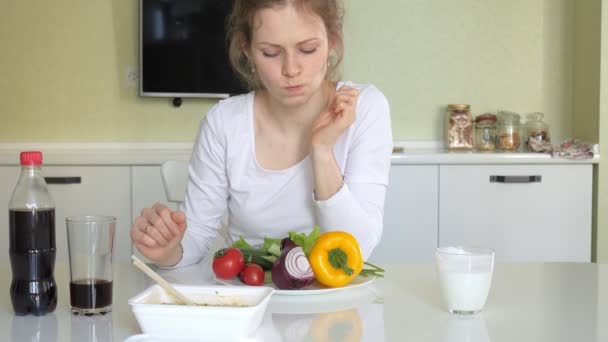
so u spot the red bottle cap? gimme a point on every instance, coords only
(31, 158)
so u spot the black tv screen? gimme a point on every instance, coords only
(183, 50)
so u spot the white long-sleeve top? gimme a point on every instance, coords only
(224, 175)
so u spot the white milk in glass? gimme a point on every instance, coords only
(466, 291)
(465, 275)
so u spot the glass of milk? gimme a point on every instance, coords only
(465, 276)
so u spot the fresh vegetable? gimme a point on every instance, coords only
(272, 246)
(306, 241)
(260, 256)
(287, 244)
(241, 243)
(267, 277)
(228, 263)
(336, 258)
(292, 270)
(252, 274)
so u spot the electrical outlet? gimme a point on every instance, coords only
(131, 76)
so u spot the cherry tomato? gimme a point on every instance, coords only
(253, 274)
(228, 263)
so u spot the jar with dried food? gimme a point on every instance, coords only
(508, 131)
(485, 132)
(536, 129)
(459, 127)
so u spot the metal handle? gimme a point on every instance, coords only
(516, 179)
(62, 180)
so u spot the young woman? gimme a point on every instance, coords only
(299, 150)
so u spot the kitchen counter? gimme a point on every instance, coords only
(155, 153)
(527, 302)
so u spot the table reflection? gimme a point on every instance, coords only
(91, 329)
(34, 328)
(466, 329)
(364, 323)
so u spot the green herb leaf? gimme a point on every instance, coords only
(306, 241)
(241, 243)
(272, 246)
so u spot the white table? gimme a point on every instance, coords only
(527, 302)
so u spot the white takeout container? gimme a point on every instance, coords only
(219, 320)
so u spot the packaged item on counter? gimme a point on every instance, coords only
(536, 130)
(485, 132)
(508, 131)
(459, 127)
(32, 247)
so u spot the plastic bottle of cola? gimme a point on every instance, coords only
(32, 240)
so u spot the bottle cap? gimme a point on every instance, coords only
(31, 158)
(485, 117)
(459, 107)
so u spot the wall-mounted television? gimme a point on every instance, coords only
(183, 50)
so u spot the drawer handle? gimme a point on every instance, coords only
(63, 180)
(516, 179)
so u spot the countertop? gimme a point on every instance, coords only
(155, 153)
(527, 302)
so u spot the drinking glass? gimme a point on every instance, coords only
(90, 246)
(465, 276)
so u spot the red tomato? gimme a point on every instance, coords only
(253, 274)
(228, 263)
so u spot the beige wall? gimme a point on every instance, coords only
(586, 113)
(586, 69)
(63, 69)
(602, 170)
(65, 64)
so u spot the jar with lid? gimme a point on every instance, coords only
(536, 130)
(508, 131)
(485, 132)
(459, 127)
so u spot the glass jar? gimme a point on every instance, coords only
(459, 127)
(508, 131)
(536, 130)
(485, 132)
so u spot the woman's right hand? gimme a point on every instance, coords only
(157, 233)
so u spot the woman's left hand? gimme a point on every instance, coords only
(336, 118)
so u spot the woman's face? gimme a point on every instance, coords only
(290, 49)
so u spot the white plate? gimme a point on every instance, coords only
(312, 289)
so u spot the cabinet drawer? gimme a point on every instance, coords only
(525, 212)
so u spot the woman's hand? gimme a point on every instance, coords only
(335, 119)
(157, 233)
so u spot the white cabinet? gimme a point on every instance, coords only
(103, 190)
(147, 188)
(410, 216)
(537, 212)
(426, 205)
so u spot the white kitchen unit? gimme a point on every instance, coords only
(524, 212)
(147, 188)
(434, 198)
(90, 190)
(410, 215)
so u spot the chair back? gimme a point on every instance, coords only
(174, 174)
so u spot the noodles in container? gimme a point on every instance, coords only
(221, 312)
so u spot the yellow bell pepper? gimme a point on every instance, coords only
(336, 258)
